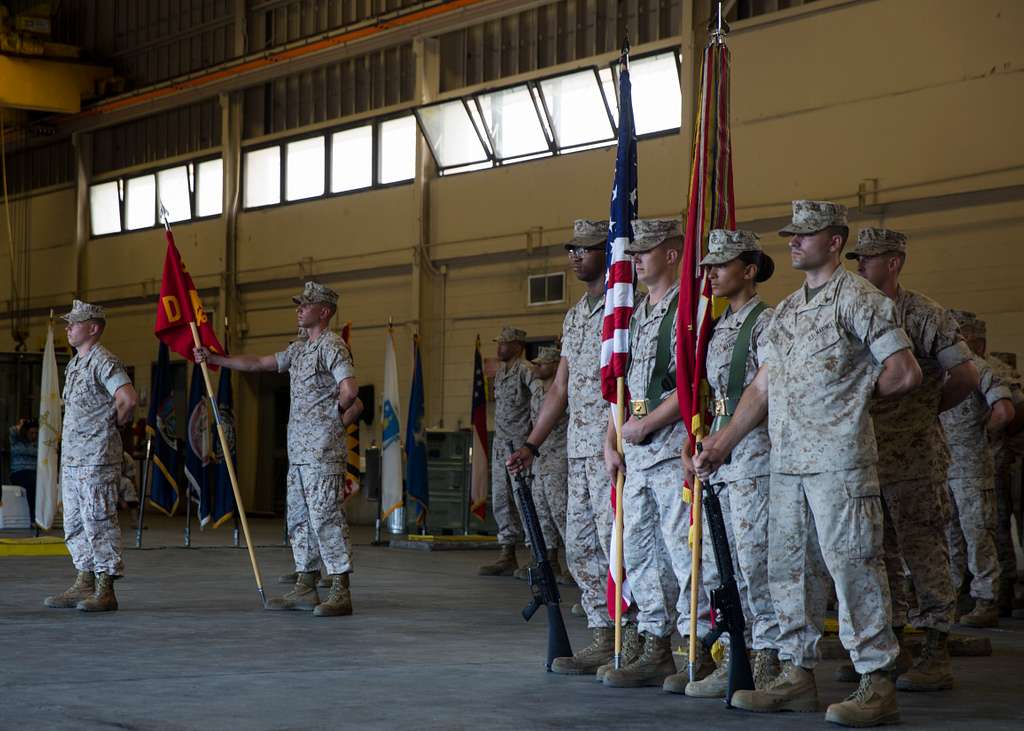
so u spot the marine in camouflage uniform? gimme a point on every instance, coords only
(742, 483)
(912, 462)
(656, 551)
(511, 424)
(551, 468)
(91, 454)
(971, 483)
(828, 347)
(1006, 452)
(577, 388)
(322, 379)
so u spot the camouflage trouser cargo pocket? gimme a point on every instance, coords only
(864, 534)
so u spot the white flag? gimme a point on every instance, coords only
(391, 444)
(48, 461)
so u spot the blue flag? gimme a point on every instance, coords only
(199, 467)
(222, 502)
(415, 443)
(161, 427)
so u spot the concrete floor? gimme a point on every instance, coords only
(431, 646)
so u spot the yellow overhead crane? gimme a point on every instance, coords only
(38, 75)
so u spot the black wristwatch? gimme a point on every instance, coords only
(533, 449)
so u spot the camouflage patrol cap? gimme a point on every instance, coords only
(874, 241)
(315, 293)
(83, 311)
(970, 325)
(548, 354)
(587, 233)
(725, 245)
(1009, 358)
(511, 334)
(812, 216)
(649, 233)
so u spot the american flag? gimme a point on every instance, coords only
(479, 480)
(620, 285)
(620, 278)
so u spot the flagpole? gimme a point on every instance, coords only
(620, 390)
(696, 549)
(147, 476)
(226, 451)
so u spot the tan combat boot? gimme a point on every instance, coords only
(288, 578)
(562, 575)
(679, 682)
(792, 690)
(766, 667)
(984, 614)
(103, 599)
(504, 566)
(523, 572)
(85, 584)
(339, 601)
(632, 646)
(302, 597)
(577, 610)
(872, 704)
(934, 669)
(651, 668)
(591, 657)
(846, 673)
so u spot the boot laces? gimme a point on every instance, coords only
(863, 692)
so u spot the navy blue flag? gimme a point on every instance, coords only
(199, 468)
(415, 443)
(161, 426)
(222, 501)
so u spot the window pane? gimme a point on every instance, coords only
(657, 101)
(475, 114)
(172, 189)
(577, 109)
(397, 150)
(468, 168)
(209, 188)
(512, 119)
(610, 91)
(306, 168)
(263, 177)
(451, 134)
(105, 208)
(352, 159)
(140, 202)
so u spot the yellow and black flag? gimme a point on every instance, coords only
(353, 468)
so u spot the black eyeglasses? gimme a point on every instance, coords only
(578, 252)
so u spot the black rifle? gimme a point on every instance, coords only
(542, 576)
(726, 609)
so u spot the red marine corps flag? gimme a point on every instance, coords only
(711, 205)
(180, 305)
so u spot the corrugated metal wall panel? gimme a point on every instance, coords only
(376, 80)
(40, 167)
(177, 132)
(553, 34)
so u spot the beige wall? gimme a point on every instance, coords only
(923, 96)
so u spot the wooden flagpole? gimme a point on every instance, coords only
(620, 398)
(226, 451)
(696, 548)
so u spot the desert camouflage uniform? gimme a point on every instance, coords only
(745, 481)
(912, 461)
(588, 522)
(317, 453)
(91, 454)
(1005, 452)
(655, 518)
(971, 482)
(551, 474)
(511, 424)
(823, 359)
